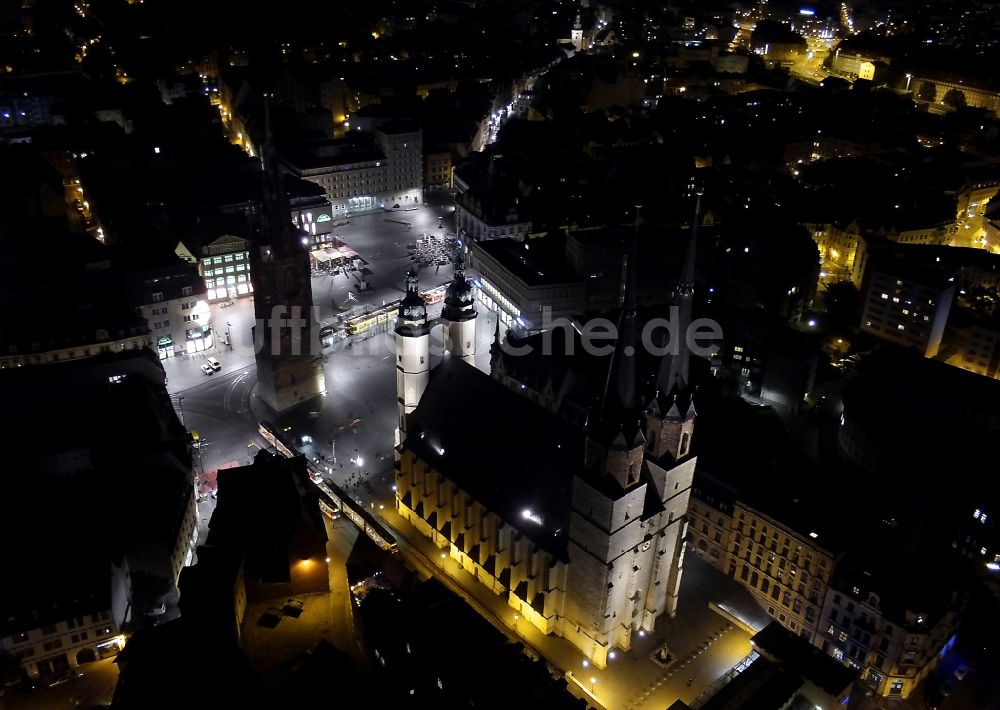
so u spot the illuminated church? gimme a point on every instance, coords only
(561, 480)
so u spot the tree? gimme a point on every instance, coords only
(927, 92)
(954, 98)
(843, 304)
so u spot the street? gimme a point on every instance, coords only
(95, 688)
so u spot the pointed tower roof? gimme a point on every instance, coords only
(277, 230)
(619, 409)
(673, 376)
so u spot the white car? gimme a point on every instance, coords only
(961, 672)
(214, 364)
(207, 369)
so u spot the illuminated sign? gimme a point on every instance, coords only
(323, 218)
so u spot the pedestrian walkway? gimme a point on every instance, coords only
(710, 648)
(678, 666)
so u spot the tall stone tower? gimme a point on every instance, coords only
(459, 315)
(289, 363)
(627, 514)
(412, 352)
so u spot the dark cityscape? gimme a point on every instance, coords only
(611, 354)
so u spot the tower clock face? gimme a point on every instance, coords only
(290, 281)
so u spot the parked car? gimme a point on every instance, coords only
(214, 364)
(64, 677)
(158, 610)
(961, 672)
(207, 369)
(949, 687)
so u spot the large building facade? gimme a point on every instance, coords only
(906, 306)
(365, 172)
(173, 301)
(80, 632)
(225, 266)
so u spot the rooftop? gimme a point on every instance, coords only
(802, 658)
(351, 149)
(537, 262)
(745, 448)
(454, 429)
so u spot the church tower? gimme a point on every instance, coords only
(576, 35)
(606, 578)
(412, 352)
(289, 364)
(671, 415)
(459, 315)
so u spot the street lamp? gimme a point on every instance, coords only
(516, 617)
(908, 78)
(180, 404)
(593, 682)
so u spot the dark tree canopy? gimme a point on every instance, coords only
(954, 98)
